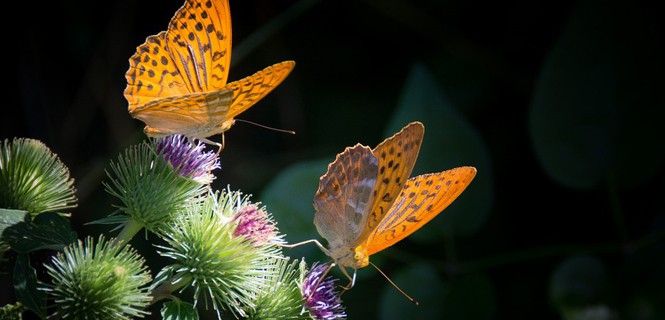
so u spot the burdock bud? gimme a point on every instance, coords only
(98, 281)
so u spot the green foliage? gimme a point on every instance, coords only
(9, 218)
(33, 179)
(47, 231)
(579, 282)
(593, 116)
(150, 190)
(25, 287)
(467, 297)
(100, 281)
(179, 310)
(298, 181)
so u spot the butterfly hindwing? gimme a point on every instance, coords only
(396, 155)
(345, 195)
(199, 41)
(421, 199)
(249, 90)
(197, 114)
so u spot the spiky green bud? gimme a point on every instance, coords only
(282, 298)
(226, 272)
(102, 281)
(32, 178)
(151, 191)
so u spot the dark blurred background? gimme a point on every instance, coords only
(558, 104)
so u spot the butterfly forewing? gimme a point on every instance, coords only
(199, 42)
(397, 156)
(152, 74)
(345, 195)
(421, 199)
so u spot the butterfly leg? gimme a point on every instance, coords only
(219, 145)
(318, 244)
(352, 280)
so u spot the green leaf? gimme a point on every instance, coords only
(25, 286)
(289, 198)
(112, 219)
(579, 282)
(469, 297)
(10, 217)
(598, 106)
(47, 231)
(450, 141)
(179, 310)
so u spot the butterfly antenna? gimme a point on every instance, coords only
(395, 285)
(266, 127)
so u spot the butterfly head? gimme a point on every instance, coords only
(354, 258)
(360, 256)
(226, 125)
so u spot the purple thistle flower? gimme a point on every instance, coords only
(320, 296)
(255, 224)
(188, 159)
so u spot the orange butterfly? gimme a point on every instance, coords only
(176, 82)
(366, 202)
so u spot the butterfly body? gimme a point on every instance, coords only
(366, 201)
(177, 79)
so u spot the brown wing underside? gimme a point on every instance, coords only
(344, 195)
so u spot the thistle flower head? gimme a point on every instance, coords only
(223, 270)
(250, 220)
(98, 281)
(151, 192)
(33, 179)
(320, 296)
(188, 159)
(255, 224)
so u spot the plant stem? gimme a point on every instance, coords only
(128, 231)
(165, 289)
